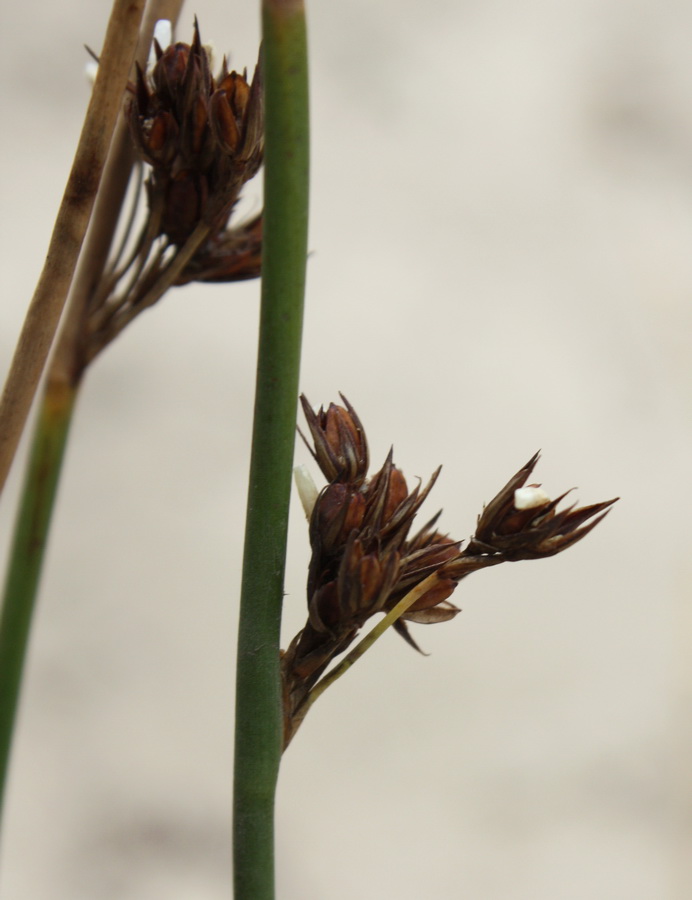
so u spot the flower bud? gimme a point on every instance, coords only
(223, 122)
(386, 491)
(523, 523)
(365, 581)
(183, 121)
(341, 450)
(339, 510)
(168, 75)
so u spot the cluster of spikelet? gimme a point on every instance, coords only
(199, 140)
(365, 560)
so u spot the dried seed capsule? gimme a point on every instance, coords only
(341, 449)
(182, 121)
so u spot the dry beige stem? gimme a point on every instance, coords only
(70, 227)
(65, 366)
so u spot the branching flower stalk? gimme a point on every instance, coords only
(364, 562)
(200, 139)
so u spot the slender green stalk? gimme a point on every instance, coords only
(284, 253)
(28, 553)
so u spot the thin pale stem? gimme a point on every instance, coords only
(284, 253)
(89, 276)
(70, 227)
(147, 289)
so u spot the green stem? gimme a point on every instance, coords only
(284, 253)
(28, 552)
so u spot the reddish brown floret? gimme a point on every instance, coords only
(364, 562)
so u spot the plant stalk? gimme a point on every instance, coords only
(284, 254)
(28, 553)
(55, 415)
(106, 213)
(46, 305)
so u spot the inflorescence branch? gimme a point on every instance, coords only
(199, 140)
(365, 562)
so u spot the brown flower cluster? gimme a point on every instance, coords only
(364, 560)
(200, 139)
(202, 136)
(234, 254)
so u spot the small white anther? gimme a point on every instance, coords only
(530, 497)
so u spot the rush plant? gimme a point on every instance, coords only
(189, 134)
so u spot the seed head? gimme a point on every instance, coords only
(338, 511)
(364, 562)
(523, 523)
(203, 137)
(341, 449)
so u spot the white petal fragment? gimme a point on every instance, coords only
(530, 497)
(91, 67)
(307, 489)
(163, 33)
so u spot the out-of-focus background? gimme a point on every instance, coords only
(501, 233)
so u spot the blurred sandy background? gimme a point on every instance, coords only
(501, 234)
